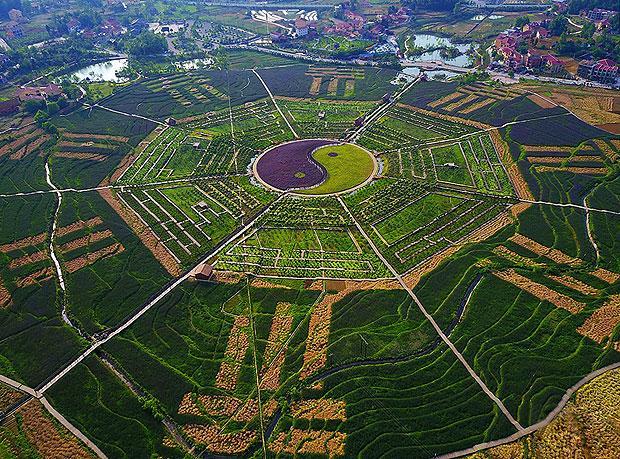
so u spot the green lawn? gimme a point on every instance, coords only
(351, 166)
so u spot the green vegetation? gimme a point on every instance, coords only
(347, 166)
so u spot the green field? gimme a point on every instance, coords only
(347, 166)
(202, 314)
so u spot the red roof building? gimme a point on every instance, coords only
(204, 272)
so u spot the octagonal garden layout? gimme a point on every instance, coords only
(444, 300)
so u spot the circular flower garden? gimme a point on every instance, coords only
(315, 166)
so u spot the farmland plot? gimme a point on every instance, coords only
(189, 220)
(410, 224)
(471, 162)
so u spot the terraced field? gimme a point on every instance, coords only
(432, 280)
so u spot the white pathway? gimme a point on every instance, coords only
(437, 328)
(275, 103)
(153, 302)
(59, 417)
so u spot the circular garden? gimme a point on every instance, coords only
(315, 167)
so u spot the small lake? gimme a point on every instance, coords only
(103, 71)
(428, 40)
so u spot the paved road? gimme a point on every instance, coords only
(119, 329)
(437, 328)
(379, 111)
(59, 417)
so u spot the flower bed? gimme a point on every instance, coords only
(280, 167)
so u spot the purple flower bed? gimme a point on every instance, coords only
(291, 166)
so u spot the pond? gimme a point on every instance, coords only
(423, 40)
(103, 71)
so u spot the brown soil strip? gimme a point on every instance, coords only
(605, 275)
(28, 259)
(560, 159)
(29, 148)
(324, 409)
(19, 142)
(36, 277)
(236, 348)
(508, 254)
(48, 438)
(542, 103)
(613, 128)
(86, 240)
(540, 291)
(8, 396)
(547, 252)
(78, 225)
(145, 234)
(82, 155)
(315, 355)
(548, 148)
(90, 258)
(514, 174)
(603, 321)
(12, 135)
(575, 170)
(299, 442)
(332, 87)
(606, 149)
(23, 243)
(227, 277)
(257, 282)
(477, 106)
(445, 99)
(71, 144)
(574, 284)
(315, 86)
(275, 352)
(5, 296)
(220, 443)
(88, 137)
(225, 406)
(459, 103)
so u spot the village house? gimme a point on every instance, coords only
(603, 71)
(204, 272)
(38, 93)
(301, 27)
(598, 14)
(16, 15)
(13, 30)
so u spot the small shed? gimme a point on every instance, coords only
(204, 272)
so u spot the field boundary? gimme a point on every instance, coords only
(539, 425)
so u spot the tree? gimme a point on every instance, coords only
(521, 21)
(146, 44)
(41, 117)
(558, 25)
(32, 106)
(588, 30)
(52, 108)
